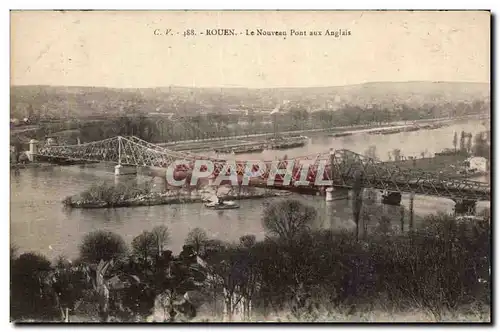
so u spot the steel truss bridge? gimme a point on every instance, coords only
(344, 168)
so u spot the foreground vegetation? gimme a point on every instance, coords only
(297, 273)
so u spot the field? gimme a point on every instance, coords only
(446, 165)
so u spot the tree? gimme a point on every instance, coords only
(235, 271)
(145, 248)
(177, 277)
(102, 245)
(462, 141)
(396, 154)
(357, 201)
(197, 238)
(455, 141)
(30, 299)
(17, 146)
(162, 236)
(138, 301)
(247, 241)
(299, 118)
(469, 143)
(69, 283)
(288, 218)
(371, 152)
(481, 148)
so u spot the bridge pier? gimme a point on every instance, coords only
(125, 170)
(33, 150)
(465, 207)
(335, 194)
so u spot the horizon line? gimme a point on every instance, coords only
(241, 86)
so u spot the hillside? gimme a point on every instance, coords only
(58, 101)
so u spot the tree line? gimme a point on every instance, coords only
(480, 147)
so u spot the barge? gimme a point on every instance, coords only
(240, 149)
(391, 198)
(286, 143)
(340, 134)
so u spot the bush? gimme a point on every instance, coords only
(113, 194)
(288, 218)
(30, 296)
(103, 245)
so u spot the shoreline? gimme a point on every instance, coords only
(32, 165)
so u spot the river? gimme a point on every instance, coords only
(39, 222)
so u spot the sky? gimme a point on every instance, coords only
(120, 49)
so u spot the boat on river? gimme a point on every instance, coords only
(222, 205)
(391, 198)
(240, 149)
(340, 134)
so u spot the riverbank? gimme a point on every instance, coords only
(198, 144)
(50, 162)
(165, 198)
(31, 165)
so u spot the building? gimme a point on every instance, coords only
(479, 164)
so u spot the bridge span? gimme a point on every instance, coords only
(340, 168)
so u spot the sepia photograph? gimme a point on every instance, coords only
(250, 166)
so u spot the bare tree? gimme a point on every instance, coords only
(462, 141)
(145, 248)
(357, 201)
(397, 154)
(197, 238)
(235, 271)
(481, 147)
(162, 236)
(455, 141)
(287, 219)
(371, 152)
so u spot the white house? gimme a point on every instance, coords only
(478, 163)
